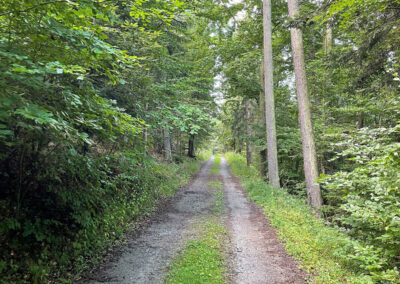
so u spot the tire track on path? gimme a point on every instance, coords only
(258, 256)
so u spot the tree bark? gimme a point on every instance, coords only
(191, 146)
(307, 136)
(167, 145)
(145, 135)
(360, 123)
(273, 172)
(263, 152)
(248, 134)
(328, 39)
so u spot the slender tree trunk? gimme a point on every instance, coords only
(145, 140)
(263, 152)
(191, 146)
(307, 136)
(273, 172)
(167, 145)
(248, 134)
(328, 39)
(145, 135)
(360, 122)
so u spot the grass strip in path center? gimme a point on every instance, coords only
(202, 261)
(217, 186)
(215, 168)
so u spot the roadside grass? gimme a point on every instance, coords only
(218, 196)
(202, 260)
(323, 251)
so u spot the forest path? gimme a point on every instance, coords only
(255, 254)
(258, 256)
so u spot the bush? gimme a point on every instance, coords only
(365, 198)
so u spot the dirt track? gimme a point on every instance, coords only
(256, 256)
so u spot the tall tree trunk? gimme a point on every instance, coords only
(307, 136)
(263, 152)
(145, 140)
(273, 172)
(191, 146)
(248, 134)
(167, 145)
(145, 134)
(328, 39)
(360, 123)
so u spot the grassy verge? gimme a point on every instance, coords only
(202, 261)
(324, 252)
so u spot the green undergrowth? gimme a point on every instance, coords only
(202, 260)
(53, 248)
(218, 196)
(328, 255)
